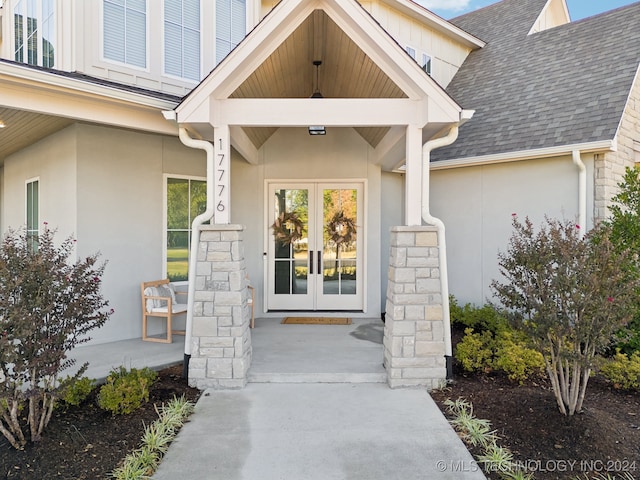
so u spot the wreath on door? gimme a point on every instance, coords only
(341, 229)
(287, 228)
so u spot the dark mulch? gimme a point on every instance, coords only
(86, 442)
(604, 438)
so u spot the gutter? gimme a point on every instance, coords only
(595, 147)
(195, 238)
(582, 191)
(448, 139)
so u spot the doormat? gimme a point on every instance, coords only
(316, 321)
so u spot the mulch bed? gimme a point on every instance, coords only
(603, 439)
(86, 442)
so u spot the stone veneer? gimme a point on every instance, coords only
(611, 166)
(221, 339)
(414, 327)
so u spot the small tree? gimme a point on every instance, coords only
(570, 295)
(47, 306)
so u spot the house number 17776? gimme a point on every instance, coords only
(221, 178)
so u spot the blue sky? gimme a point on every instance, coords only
(577, 8)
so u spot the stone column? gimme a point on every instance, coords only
(221, 339)
(414, 328)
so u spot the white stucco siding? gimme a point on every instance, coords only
(477, 203)
(120, 212)
(52, 161)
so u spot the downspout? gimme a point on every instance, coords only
(448, 139)
(582, 191)
(195, 240)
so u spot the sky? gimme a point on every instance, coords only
(577, 8)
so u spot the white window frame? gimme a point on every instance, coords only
(412, 52)
(429, 71)
(165, 179)
(230, 40)
(29, 228)
(39, 32)
(146, 68)
(200, 56)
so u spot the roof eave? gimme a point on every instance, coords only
(419, 12)
(591, 147)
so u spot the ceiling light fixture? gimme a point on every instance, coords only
(317, 129)
(2, 125)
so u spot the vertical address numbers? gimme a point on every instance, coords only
(221, 154)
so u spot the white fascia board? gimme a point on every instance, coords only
(593, 147)
(48, 79)
(434, 21)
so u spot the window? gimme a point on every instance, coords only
(182, 38)
(186, 199)
(231, 26)
(125, 31)
(32, 214)
(34, 32)
(411, 51)
(426, 63)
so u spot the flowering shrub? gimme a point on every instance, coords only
(47, 306)
(569, 295)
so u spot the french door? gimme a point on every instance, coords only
(315, 246)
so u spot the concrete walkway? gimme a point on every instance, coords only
(317, 407)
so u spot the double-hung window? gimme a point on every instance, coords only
(182, 38)
(32, 214)
(34, 32)
(231, 26)
(186, 198)
(125, 31)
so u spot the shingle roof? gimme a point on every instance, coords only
(563, 86)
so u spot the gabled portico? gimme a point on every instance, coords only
(369, 86)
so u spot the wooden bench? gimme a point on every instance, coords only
(159, 300)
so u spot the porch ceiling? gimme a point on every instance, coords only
(346, 72)
(24, 128)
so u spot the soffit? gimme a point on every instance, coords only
(346, 72)
(25, 128)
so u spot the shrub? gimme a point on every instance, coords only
(505, 351)
(48, 304)
(569, 295)
(513, 357)
(124, 391)
(479, 318)
(74, 391)
(475, 351)
(623, 371)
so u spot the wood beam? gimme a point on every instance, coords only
(245, 147)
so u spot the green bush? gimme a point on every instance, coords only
(124, 391)
(513, 357)
(623, 371)
(485, 318)
(506, 351)
(75, 391)
(475, 351)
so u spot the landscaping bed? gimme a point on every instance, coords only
(86, 442)
(603, 439)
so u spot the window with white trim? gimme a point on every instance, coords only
(32, 214)
(34, 32)
(426, 63)
(411, 51)
(182, 38)
(125, 31)
(186, 198)
(231, 26)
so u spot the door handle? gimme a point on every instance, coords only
(319, 261)
(311, 262)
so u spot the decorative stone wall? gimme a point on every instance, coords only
(414, 327)
(610, 167)
(221, 339)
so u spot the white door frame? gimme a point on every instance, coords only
(315, 298)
